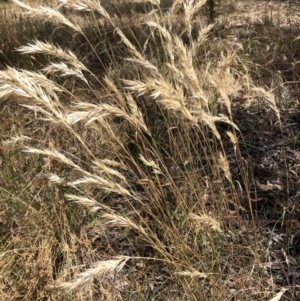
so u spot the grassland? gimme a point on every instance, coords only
(149, 151)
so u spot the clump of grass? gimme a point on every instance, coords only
(134, 176)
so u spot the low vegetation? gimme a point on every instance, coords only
(149, 150)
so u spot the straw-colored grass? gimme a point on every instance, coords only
(117, 182)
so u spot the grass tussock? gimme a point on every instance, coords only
(126, 173)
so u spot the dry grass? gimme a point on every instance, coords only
(116, 178)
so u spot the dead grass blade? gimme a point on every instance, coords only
(270, 98)
(225, 166)
(88, 202)
(105, 184)
(152, 164)
(57, 52)
(48, 13)
(86, 5)
(10, 144)
(202, 221)
(279, 295)
(101, 269)
(192, 274)
(63, 70)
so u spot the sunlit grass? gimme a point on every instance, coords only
(116, 178)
